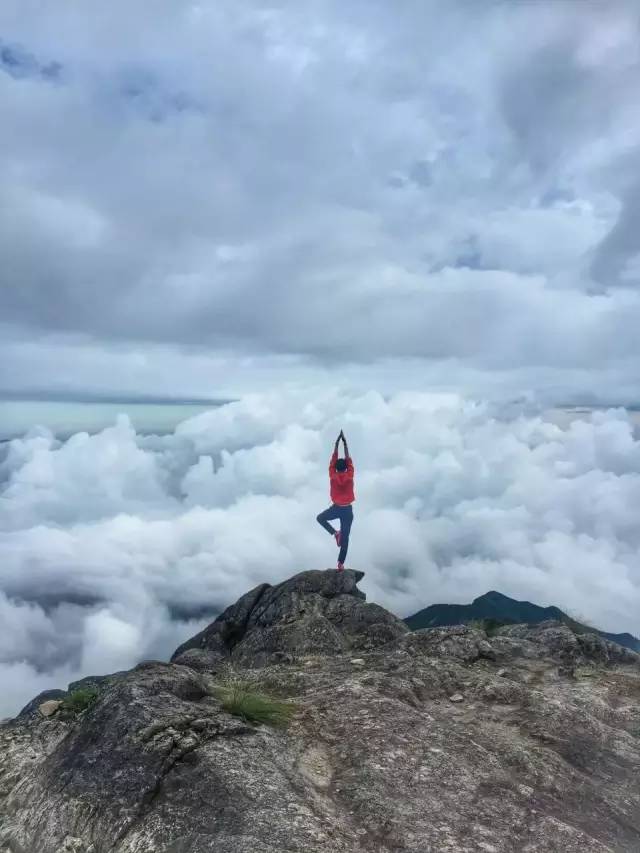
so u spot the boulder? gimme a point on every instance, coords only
(50, 707)
(33, 706)
(204, 660)
(563, 644)
(313, 612)
(453, 641)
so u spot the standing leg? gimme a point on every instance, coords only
(346, 520)
(324, 517)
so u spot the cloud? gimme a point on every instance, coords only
(115, 547)
(321, 185)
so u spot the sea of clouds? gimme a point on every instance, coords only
(115, 547)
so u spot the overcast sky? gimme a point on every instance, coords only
(203, 198)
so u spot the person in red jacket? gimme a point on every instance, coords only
(342, 496)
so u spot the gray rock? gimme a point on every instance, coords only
(94, 682)
(204, 660)
(453, 641)
(229, 627)
(311, 634)
(596, 648)
(375, 759)
(312, 612)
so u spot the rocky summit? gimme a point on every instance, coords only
(441, 740)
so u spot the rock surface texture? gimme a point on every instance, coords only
(539, 751)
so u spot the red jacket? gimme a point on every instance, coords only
(341, 482)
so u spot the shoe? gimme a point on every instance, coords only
(341, 567)
(338, 536)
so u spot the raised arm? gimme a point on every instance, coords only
(334, 455)
(346, 453)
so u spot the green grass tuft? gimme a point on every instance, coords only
(243, 700)
(489, 625)
(80, 700)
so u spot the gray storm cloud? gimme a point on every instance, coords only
(456, 180)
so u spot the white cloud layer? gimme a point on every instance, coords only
(112, 546)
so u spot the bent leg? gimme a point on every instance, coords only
(346, 520)
(324, 517)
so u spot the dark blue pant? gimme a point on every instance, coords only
(345, 514)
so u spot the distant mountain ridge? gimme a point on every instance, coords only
(496, 606)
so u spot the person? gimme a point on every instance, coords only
(342, 497)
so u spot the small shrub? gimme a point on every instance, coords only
(489, 626)
(80, 699)
(243, 700)
(586, 672)
(492, 626)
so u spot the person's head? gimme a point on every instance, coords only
(341, 465)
